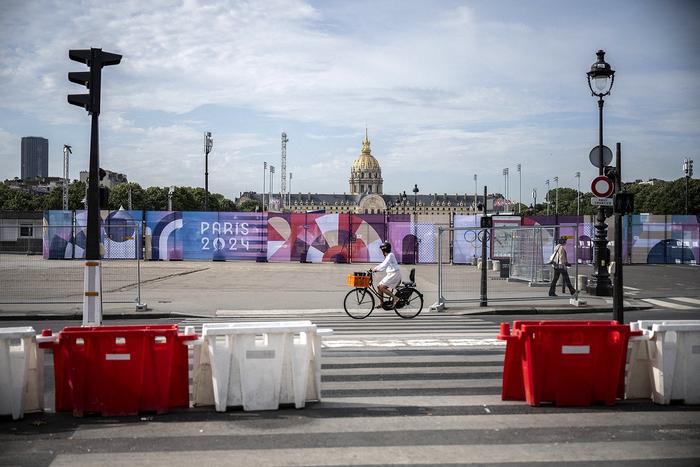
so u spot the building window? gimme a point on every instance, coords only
(26, 230)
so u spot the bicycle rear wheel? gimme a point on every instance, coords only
(358, 303)
(412, 306)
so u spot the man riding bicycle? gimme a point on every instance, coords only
(393, 275)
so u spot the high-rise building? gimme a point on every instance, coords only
(35, 157)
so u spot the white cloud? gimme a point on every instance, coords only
(476, 89)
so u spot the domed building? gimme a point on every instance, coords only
(366, 174)
(366, 195)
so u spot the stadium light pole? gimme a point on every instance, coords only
(208, 144)
(520, 186)
(578, 194)
(601, 76)
(263, 190)
(556, 196)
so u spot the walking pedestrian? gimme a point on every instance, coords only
(560, 262)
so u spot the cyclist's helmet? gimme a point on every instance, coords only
(385, 247)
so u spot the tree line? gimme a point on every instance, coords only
(153, 198)
(660, 198)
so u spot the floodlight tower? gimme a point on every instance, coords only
(283, 183)
(66, 152)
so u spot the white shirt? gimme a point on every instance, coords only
(390, 265)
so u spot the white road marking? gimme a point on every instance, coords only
(629, 288)
(665, 304)
(687, 300)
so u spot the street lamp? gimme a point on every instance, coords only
(600, 81)
(534, 200)
(546, 195)
(403, 197)
(208, 144)
(476, 193)
(415, 224)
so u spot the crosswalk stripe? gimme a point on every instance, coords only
(694, 301)
(665, 304)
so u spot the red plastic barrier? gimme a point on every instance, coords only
(120, 370)
(572, 363)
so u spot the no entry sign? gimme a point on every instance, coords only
(602, 187)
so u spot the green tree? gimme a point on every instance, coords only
(119, 196)
(76, 195)
(250, 205)
(155, 198)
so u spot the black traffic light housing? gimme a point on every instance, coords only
(486, 222)
(610, 172)
(95, 59)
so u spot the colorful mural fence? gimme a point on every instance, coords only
(321, 237)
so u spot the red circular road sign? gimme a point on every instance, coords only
(602, 187)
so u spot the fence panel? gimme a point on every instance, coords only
(516, 268)
(27, 277)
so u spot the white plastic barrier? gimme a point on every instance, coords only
(664, 363)
(258, 365)
(21, 372)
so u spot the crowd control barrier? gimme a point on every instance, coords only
(258, 365)
(664, 363)
(567, 363)
(21, 372)
(120, 370)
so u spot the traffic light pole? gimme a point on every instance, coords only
(95, 59)
(92, 300)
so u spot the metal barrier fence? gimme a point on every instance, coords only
(27, 278)
(517, 262)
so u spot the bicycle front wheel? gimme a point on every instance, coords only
(412, 306)
(359, 303)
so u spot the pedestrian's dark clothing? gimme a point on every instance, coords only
(559, 263)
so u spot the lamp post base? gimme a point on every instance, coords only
(599, 286)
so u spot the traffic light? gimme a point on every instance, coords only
(487, 222)
(95, 59)
(610, 172)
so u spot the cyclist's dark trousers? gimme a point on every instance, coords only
(565, 274)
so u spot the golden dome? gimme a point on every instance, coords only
(365, 161)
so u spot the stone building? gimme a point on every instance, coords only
(366, 195)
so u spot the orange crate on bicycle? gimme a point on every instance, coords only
(358, 279)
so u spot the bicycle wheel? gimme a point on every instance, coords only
(358, 303)
(412, 306)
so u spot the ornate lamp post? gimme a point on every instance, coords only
(208, 144)
(600, 82)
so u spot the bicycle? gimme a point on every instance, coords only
(359, 302)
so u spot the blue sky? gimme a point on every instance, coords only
(447, 89)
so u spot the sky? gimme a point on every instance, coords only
(446, 89)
